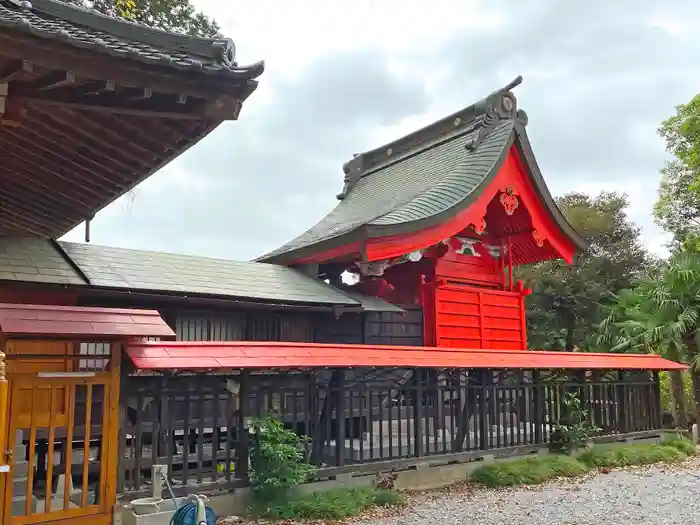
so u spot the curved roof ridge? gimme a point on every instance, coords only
(435, 200)
(465, 120)
(214, 48)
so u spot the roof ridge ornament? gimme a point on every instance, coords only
(498, 106)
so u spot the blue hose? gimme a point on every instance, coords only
(187, 515)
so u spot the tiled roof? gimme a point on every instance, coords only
(74, 321)
(414, 188)
(35, 260)
(88, 29)
(153, 271)
(246, 354)
(423, 179)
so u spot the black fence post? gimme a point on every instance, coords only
(243, 455)
(340, 414)
(314, 430)
(537, 397)
(418, 410)
(658, 411)
(623, 416)
(483, 408)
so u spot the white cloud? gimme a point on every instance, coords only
(346, 76)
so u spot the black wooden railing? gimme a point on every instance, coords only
(196, 425)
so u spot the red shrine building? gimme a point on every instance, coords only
(439, 219)
(392, 333)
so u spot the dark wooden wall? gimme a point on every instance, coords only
(372, 328)
(258, 324)
(241, 326)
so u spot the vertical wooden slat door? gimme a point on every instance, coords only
(60, 434)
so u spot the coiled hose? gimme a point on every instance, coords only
(187, 515)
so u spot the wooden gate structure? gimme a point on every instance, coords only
(59, 407)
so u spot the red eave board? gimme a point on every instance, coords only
(80, 322)
(212, 355)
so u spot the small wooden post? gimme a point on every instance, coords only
(340, 411)
(4, 415)
(658, 412)
(538, 394)
(484, 410)
(418, 411)
(243, 452)
(622, 417)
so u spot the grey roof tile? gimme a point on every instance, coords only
(35, 260)
(414, 188)
(88, 29)
(424, 178)
(164, 272)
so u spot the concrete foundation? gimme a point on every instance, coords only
(430, 474)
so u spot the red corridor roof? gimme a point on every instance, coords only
(81, 322)
(211, 355)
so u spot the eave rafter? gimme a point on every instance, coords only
(76, 133)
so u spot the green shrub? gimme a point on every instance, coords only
(572, 430)
(530, 471)
(535, 470)
(277, 460)
(629, 455)
(332, 505)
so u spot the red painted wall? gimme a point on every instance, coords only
(469, 269)
(466, 306)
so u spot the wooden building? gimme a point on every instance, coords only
(390, 332)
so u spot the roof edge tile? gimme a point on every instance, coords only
(221, 49)
(479, 115)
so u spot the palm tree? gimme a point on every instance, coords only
(661, 314)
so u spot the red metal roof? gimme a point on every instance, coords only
(254, 354)
(74, 321)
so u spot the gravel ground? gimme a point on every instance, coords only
(662, 495)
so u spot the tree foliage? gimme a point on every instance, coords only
(565, 304)
(178, 16)
(661, 314)
(678, 207)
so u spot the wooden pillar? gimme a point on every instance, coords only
(243, 449)
(657, 411)
(538, 396)
(338, 394)
(4, 409)
(484, 412)
(110, 437)
(622, 415)
(418, 411)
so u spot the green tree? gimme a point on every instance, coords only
(566, 299)
(678, 207)
(632, 324)
(179, 16)
(661, 314)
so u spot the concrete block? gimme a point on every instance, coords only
(695, 434)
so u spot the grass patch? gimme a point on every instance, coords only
(630, 455)
(535, 470)
(334, 504)
(530, 471)
(684, 445)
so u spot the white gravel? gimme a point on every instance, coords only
(661, 495)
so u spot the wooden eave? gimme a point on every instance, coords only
(81, 125)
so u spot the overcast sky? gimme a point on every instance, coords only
(346, 76)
